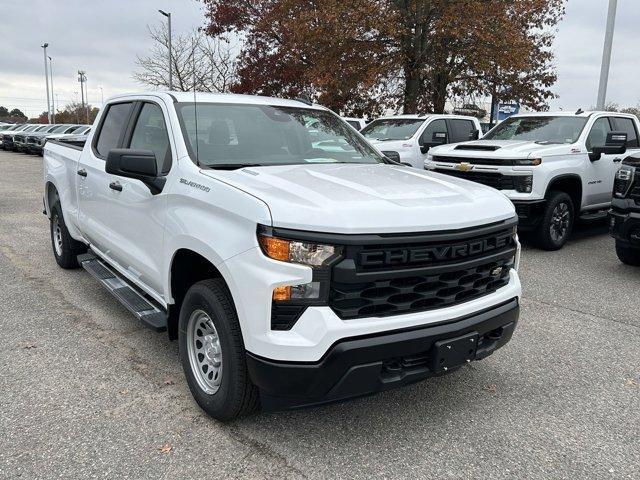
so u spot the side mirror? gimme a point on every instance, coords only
(438, 138)
(474, 135)
(615, 144)
(137, 164)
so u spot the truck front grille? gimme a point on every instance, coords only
(494, 180)
(401, 278)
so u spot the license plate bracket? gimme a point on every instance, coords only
(454, 352)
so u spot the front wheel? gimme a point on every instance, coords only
(557, 221)
(627, 254)
(212, 352)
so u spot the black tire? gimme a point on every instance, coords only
(557, 221)
(67, 250)
(235, 396)
(627, 254)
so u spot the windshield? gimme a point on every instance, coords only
(392, 129)
(545, 129)
(59, 129)
(233, 135)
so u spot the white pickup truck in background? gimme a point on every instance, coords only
(555, 167)
(408, 138)
(292, 271)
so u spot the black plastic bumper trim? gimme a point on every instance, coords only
(361, 365)
(529, 213)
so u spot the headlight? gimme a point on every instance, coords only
(311, 254)
(527, 162)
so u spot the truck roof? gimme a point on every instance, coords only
(564, 113)
(424, 116)
(187, 97)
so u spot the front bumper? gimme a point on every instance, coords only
(624, 226)
(366, 364)
(529, 213)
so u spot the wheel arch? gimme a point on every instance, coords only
(571, 184)
(188, 266)
(50, 196)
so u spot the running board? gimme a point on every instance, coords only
(597, 215)
(136, 303)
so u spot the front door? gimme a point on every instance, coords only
(136, 217)
(600, 173)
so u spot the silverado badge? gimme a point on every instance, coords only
(464, 166)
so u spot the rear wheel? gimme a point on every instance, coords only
(212, 352)
(557, 221)
(627, 254)
(65, 248)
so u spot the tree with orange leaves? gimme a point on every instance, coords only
(365, 56)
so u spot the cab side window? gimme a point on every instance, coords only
(435, 126)
(628, 126)
(461, 130)
(598, 134)
(150, 133)
(112, 128)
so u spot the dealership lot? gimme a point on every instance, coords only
(87, 389)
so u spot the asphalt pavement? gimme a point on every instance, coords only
(88, 392)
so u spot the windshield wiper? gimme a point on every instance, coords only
(233, 166)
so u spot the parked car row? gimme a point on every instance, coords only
(30, 138)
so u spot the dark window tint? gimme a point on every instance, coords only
(354, 124)
(598, 134)
(150, 133)
(112, 127)
(435, 126)
(628, 126)
(460, 130)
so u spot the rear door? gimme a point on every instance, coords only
(94, 195)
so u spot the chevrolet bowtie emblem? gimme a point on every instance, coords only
(464, 167)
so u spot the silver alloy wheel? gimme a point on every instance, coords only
(560, 219)
(205, 351)
(57, 235)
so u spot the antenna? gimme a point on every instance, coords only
(579, 111)
(195, 104)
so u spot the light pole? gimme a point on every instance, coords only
(82, 78)
(46, 79)
(53, 103)
(101, 97)
(606, 54)
(168, 15)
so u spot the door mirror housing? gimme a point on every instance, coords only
(615, 144)
(137, 164)
(438, 138)
(474, 135)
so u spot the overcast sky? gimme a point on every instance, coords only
(103, 38)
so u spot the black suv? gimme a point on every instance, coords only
(624, 216)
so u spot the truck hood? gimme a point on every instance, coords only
(342, 198)
(503, 149)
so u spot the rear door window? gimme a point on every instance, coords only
(112, 128)
(461, 130)
(628, 126)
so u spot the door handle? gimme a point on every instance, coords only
(617, 160)
(115, 186)
(82, 172)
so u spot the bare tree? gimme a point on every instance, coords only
(208, 62)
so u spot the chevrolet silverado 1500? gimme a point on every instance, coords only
(291, 271)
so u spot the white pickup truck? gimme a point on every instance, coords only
(291, 274)
(555, 167)
(408, 138)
